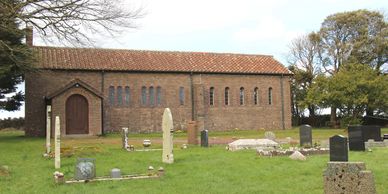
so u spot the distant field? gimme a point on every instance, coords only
(196, 170)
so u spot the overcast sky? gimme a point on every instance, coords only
(226, 26)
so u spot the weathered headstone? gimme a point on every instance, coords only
(305, 135)
(192, 133)
(338, 148)
(125, 138)
(85, 169)
(348, 177)
(204, 138)
(57, 143)
(48, 129)
(168, 129)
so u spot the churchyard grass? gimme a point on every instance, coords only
(195, 170)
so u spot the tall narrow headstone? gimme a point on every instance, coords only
(48, 128)
(204, 138)
(168, 129)
(125, 138)
(305, 134)
(338, 148)
(57, 143)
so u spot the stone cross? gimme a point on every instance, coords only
(168, 129)
(48, 129)
(125, 137)
(57, 143)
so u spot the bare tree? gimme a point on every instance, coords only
(72, 21)
(304, 63)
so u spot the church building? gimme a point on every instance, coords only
(96, 91)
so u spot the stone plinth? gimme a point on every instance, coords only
(348, 177)
(192, 133)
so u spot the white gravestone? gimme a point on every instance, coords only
(125, 138)
(168, 129)
(48, 129)
(57, 143)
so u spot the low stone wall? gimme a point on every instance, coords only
(372, 143)
(287, 152)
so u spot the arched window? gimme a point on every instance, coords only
(143, 95)
(158, 95)
(111, 95)
(269, 96)
(211, 96)
(127, 95)
(242, 96)
(227, 96)
(151, 96)
(119, 95)
(181, 95)
(256, 96)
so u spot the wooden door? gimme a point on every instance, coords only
(77, 115)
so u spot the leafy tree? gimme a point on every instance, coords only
(351, 90)
(353, 37)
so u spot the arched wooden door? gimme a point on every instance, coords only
(77, 115)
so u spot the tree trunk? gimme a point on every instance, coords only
(312, 117)
(333, 117)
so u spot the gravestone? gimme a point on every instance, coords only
(305, 135)
(192, 133)
(57, 143)
(356, 139)
(204, 138)
(48, 129)
(115, 173)
(168, 129)
(371, 132)
(125, 138)
(348, 177)
(338, 148)
(360, 134)
(85, 169)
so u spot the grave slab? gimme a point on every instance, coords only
(252, 144)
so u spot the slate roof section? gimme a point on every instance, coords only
(155, 61)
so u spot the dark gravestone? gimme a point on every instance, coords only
(305, 135)
(338, 148)
(356, 139)
(85, 169)
(371, 132)
(358, 135)
(385, 136)
(204, 138)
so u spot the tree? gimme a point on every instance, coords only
(15, 59)
(350, 90)
(66, 21)
(352, 37)
(303, 62)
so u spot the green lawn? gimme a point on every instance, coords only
(196, 170)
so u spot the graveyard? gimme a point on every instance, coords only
(195, 169)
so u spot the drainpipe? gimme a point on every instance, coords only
(102, 102)
(282, 100)
(192, 96)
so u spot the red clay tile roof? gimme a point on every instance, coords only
(155, 61)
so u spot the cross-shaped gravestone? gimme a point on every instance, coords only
(338, 148)
(305, 134)
(168, 129)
